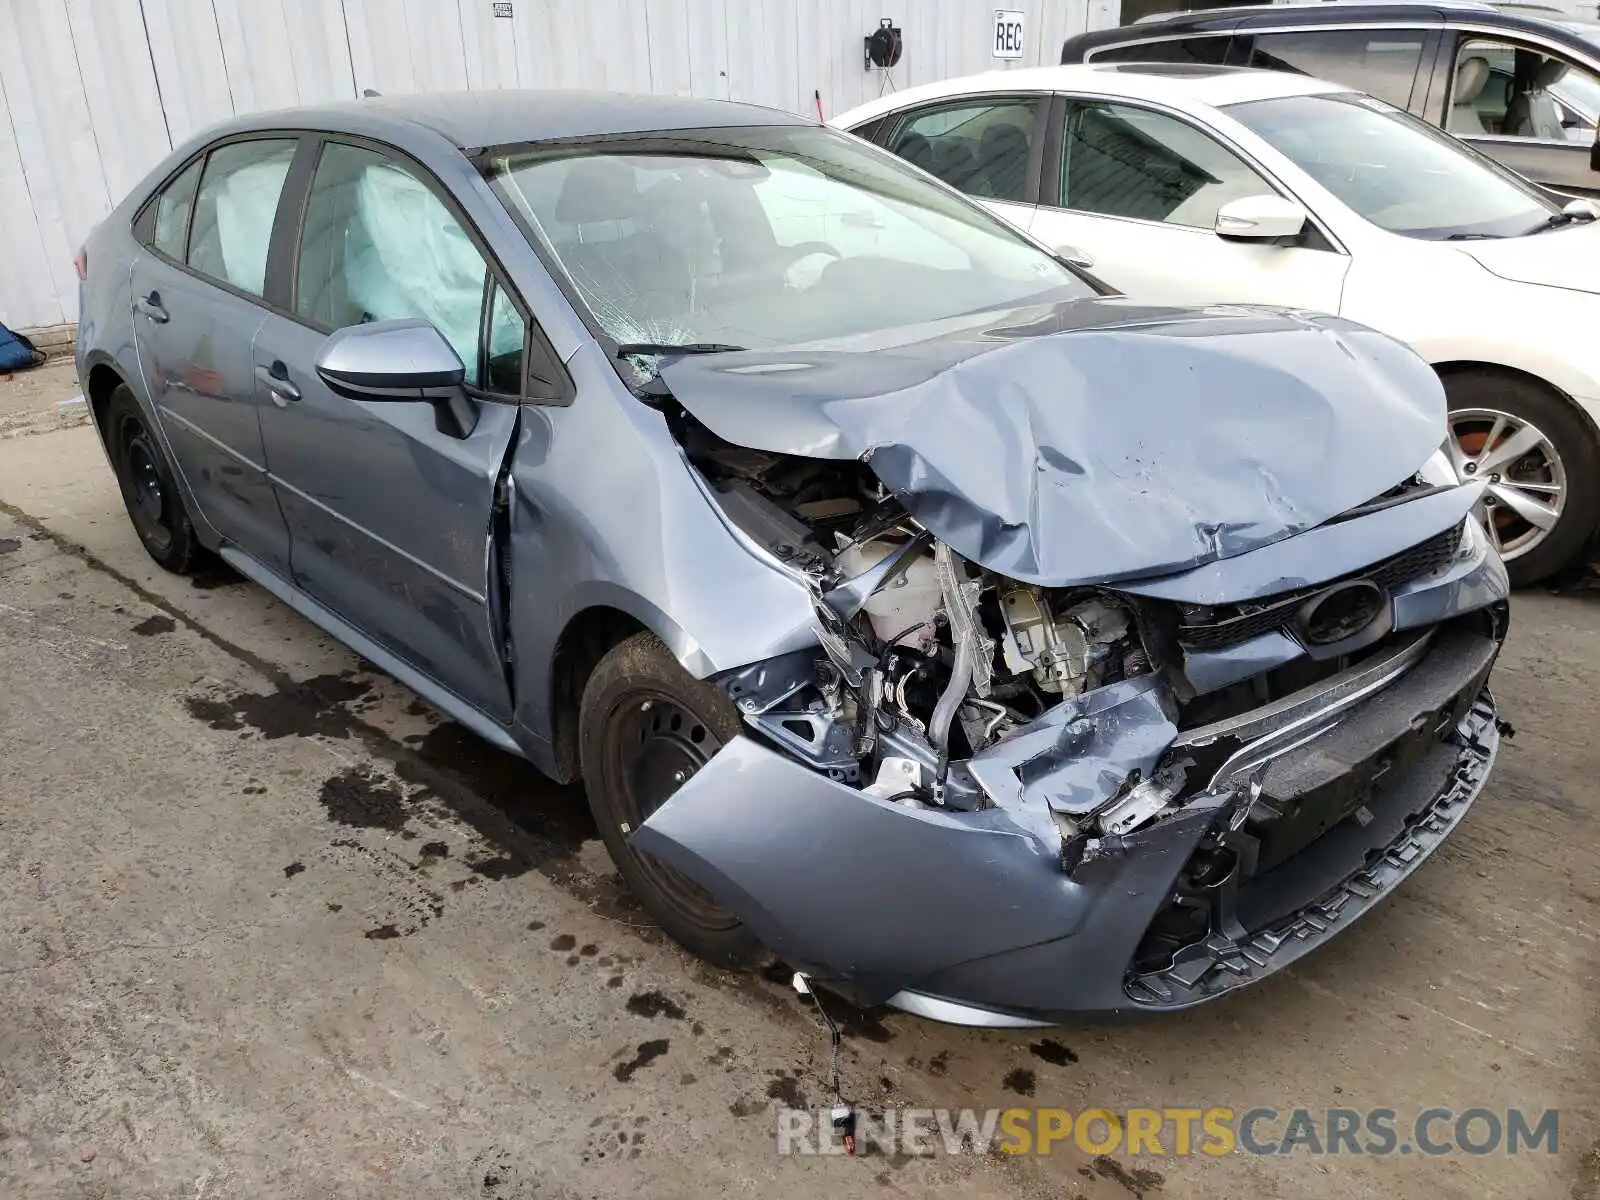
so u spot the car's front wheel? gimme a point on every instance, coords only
(1539, 460)
(146, 478)
(645, 726)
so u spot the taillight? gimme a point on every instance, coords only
(81, 262)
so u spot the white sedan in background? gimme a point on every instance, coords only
(1197, 185)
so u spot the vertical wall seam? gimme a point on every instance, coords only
(33, 209)
(349, 53)
(150, 53)
(227, 75)
(649, 59)
(94, 131)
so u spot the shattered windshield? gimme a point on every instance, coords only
(763, 237)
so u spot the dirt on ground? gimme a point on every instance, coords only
(270, 927)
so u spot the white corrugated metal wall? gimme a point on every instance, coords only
(94, 92)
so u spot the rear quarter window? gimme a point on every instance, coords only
(169, 226)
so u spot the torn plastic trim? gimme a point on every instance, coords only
(1223, 962)
(1274, 727)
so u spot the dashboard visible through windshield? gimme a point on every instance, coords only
(763, 237)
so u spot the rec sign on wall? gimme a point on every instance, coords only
(1007, 34)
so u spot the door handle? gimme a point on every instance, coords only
(276, 379)
(150, 306)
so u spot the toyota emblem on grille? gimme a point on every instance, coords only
(1341, 612)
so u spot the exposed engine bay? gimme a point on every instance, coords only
(927, 658)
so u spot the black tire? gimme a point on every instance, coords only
(644, 725)
(149, 491)
(1574, 444)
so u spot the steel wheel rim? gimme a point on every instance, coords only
(1527, 481)
(148, 501)
(656, 746)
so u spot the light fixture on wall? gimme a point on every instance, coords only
(881, 50)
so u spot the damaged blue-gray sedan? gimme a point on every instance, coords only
(913, 610)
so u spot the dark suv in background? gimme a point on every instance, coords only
(1519, 82)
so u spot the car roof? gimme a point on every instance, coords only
(1526, 16)
(473, 120)
(1177, 84)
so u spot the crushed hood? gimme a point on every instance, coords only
(1094, 440)
(1565, 258)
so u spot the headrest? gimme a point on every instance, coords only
(600, 188)
(915, 148)
(1471, 75)
(1549, 73)
(999, 141)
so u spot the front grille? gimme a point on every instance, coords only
(1218, 626)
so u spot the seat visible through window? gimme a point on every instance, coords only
(979, 148)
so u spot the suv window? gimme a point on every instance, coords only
(1511, 90)
(377, 244)
(234, 208)
(981, 149)
(170, 234)
(1380, 61)
(1126, 161)
(1212, 50)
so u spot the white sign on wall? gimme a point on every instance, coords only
(1007, 33)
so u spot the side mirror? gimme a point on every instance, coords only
(1260, 219)
(398, 361)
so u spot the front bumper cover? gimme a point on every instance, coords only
(969, 916)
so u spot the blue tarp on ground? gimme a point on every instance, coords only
(17, 353)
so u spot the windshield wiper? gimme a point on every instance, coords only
(1472, 237)
(1556, 221)
(652, 349)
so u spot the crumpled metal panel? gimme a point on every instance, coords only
(1319, 554)
(1095, 440)
(1079, 753)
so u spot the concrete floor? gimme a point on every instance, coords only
(268, 928)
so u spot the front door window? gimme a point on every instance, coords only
(1508, 89)
(378, 244)
(1120, 160)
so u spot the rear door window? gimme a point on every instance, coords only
(234, 209)
(1382, 62)
(980, 148)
